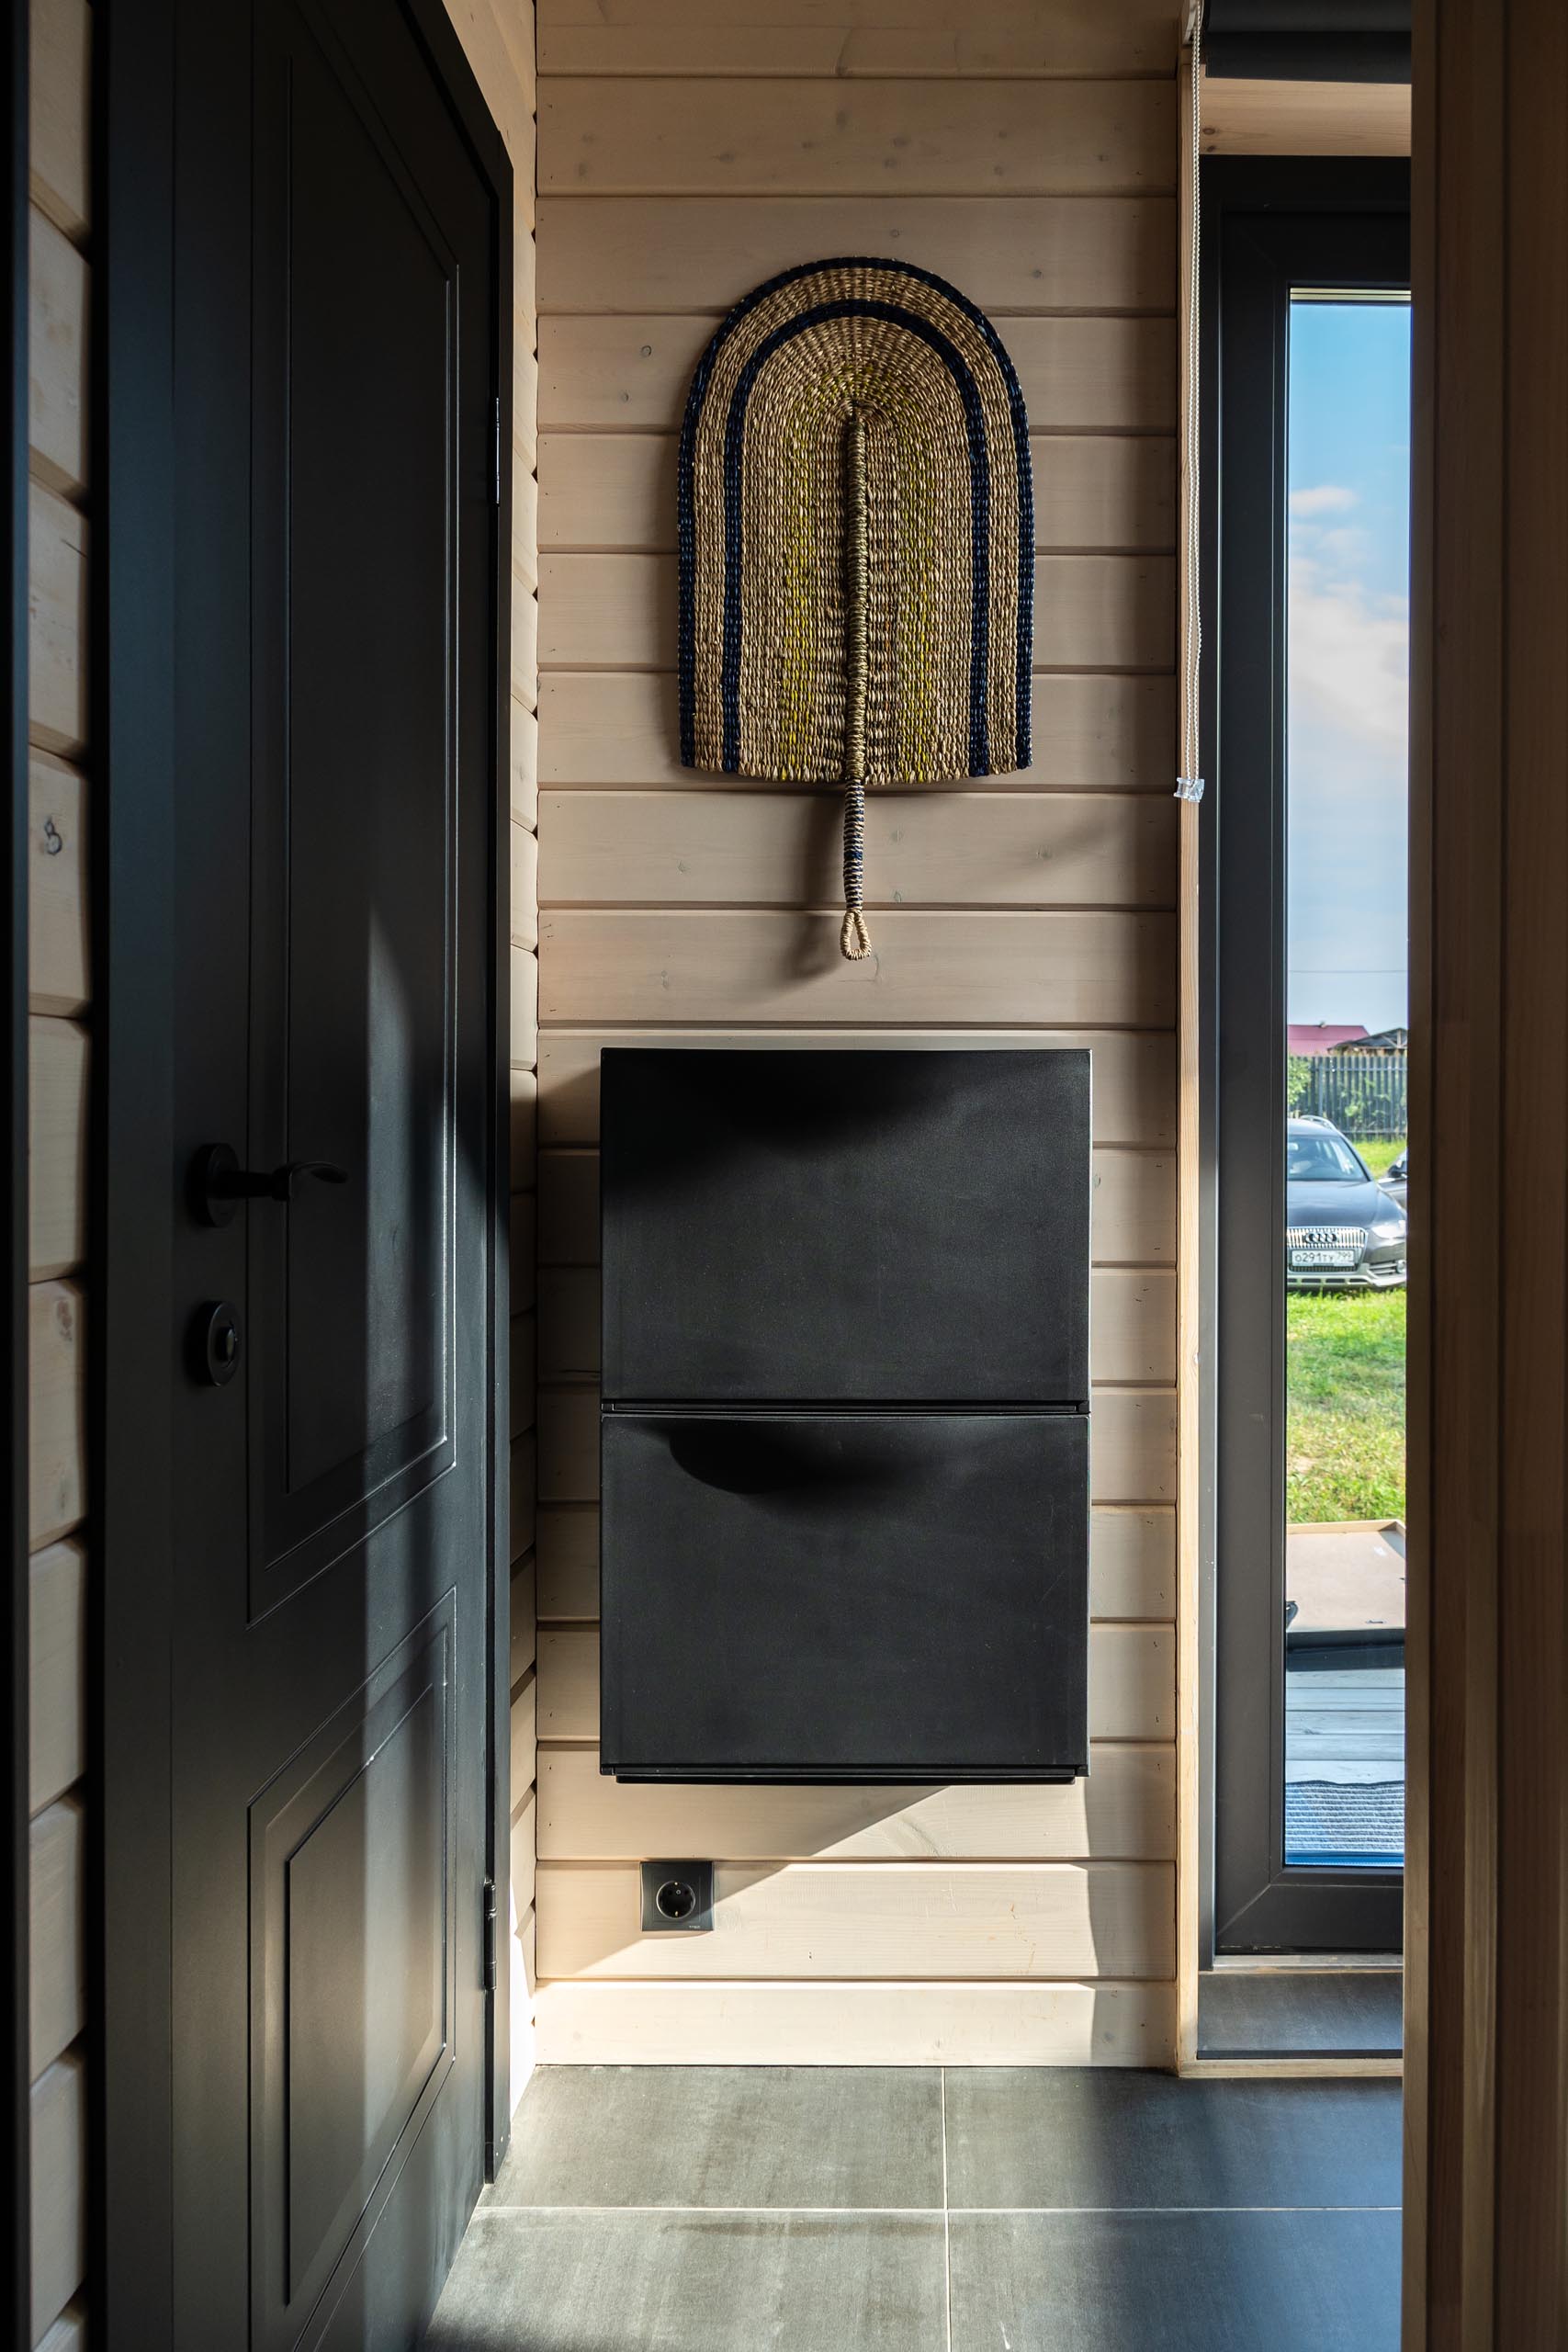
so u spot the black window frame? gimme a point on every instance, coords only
(1268, 227)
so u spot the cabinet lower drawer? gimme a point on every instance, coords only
(844, 1596)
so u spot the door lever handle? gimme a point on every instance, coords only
(218, 1184)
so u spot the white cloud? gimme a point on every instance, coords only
(1348, 660)
(1349, 654)
(1326, 498)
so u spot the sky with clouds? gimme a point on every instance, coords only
(1348, 651)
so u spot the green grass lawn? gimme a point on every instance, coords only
(1345, 1379)
(1378, 1155)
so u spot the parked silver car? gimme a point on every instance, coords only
(1342, 1231)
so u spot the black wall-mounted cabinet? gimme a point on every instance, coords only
(844, 1502)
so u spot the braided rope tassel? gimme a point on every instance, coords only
(854, 940)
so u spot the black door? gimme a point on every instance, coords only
(334, 266)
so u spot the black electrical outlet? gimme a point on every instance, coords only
(677, 1898)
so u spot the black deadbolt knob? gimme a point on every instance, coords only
(215, 1343)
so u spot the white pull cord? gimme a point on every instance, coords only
(1190, 784)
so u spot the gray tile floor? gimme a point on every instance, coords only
(974, 2209)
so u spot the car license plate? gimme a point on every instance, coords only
(1308, 1260)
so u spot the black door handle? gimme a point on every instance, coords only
(218, 1184)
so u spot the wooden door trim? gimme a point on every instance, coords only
(1486, 2074)
(16, 2238)
(131, 1954)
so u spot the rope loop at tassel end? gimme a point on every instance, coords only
(854, 940)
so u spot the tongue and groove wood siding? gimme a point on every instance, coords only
(688, 149)
(59, 1010)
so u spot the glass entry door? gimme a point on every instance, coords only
(1306, 904)
(1347, 1008)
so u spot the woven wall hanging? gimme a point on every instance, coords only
(856, 543)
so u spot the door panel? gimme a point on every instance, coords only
(351, 2029)
(354, 393)
(844, 1596)
(336, 642)
(938, 1203)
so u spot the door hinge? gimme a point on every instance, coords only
(487, 1936)
(495, 484)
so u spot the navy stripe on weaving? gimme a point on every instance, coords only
(684, 503)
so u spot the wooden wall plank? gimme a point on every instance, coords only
(1249, 117)
(858, 37)
(525, 391)
(569, 1208)
(569, 1445)
(807, 137)
(525, 890)
(1132, 1208)
(57, 1443)
(1094, 733)
(57, 1936)
(1133, 1205)
(524, 1620)
(854, 2025)
(953, 1920)
(522, 1852)
(60, 110)
(524, 531)
(57, 1682)
(522, 1247)
(58, 956)
(522, 1046)
(57, 1156)
(522, 1359)
(57, 357)
(1132, 1682)
(601, 492)
(525, 649)
(59, 2117)
(996, 967)
(1091, 612)
(523, 1736)
(524, 1122)
(1132, 1446)
(1125, 1810)
(1134, 1094)
(1083, 377)
(524, 765)
(521, 1480)
(645, 252)
(1132, 1561)
(1132, 1325)
(568, 1562)
(569, 1323)
(735, 848)
(57, 622)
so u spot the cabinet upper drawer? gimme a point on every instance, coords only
(886, 1226)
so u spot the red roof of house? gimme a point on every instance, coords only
(1323, 1036)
